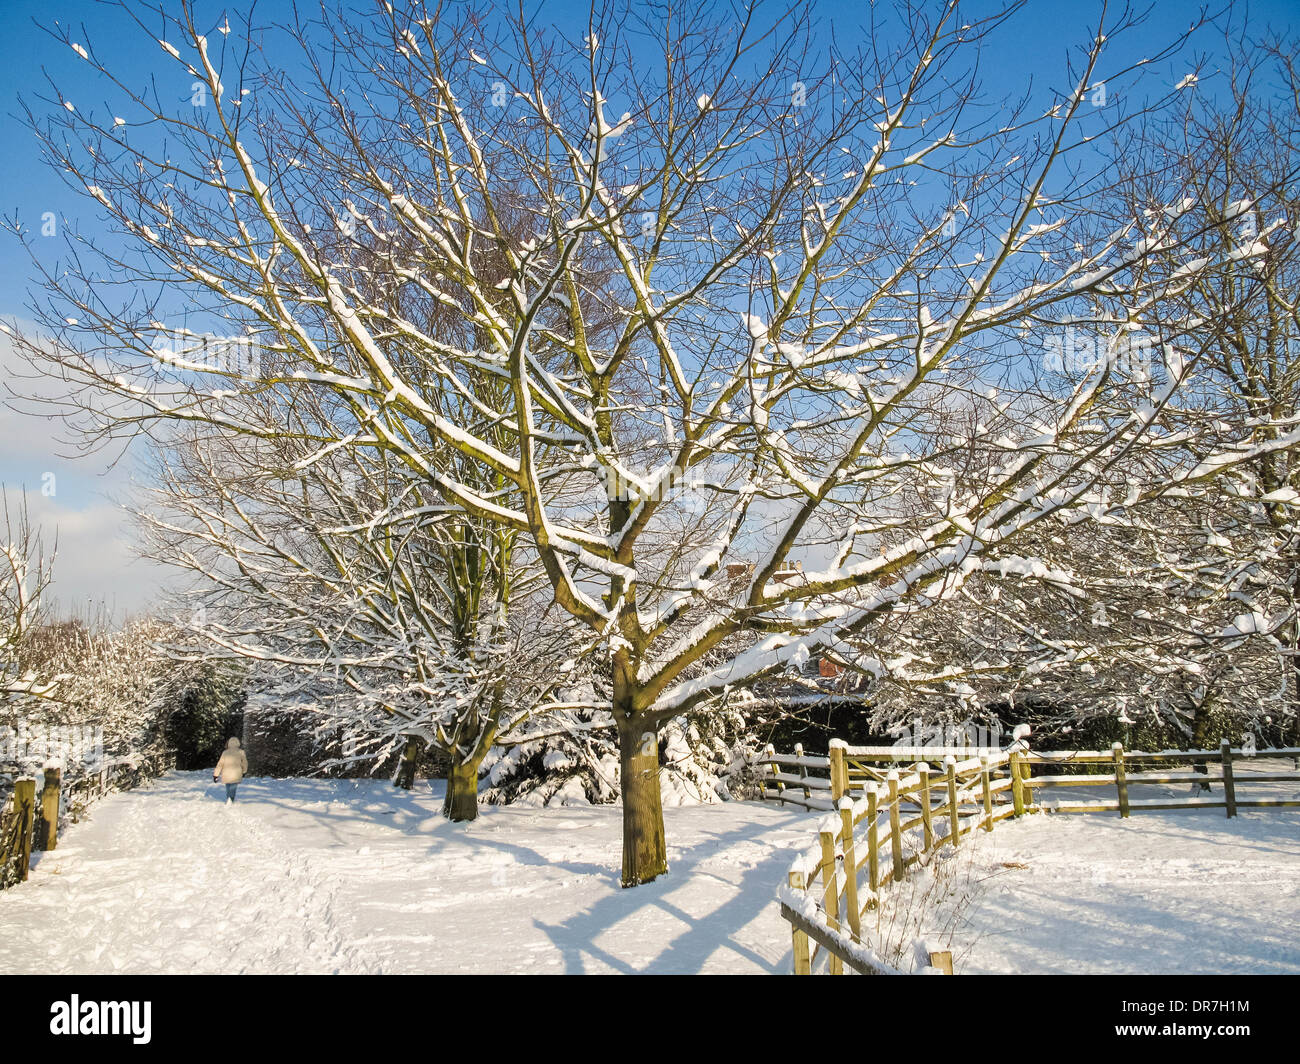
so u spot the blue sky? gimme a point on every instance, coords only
(95, 548)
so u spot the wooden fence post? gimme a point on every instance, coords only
(954, 816)
(769, 752)
(895, 826)
(25, 807)
(924, 770)
(1017, 789)
(1026, 784)
(873, 837)
(850, 868)
(830, 896)
(987, 784)
(1229, 784)
(1121, 780)
(803, 769)
(942, 959)
(802, 956)
(45, 834)
(839, 772)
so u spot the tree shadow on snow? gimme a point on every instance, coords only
(703, 936)
(1115, 927)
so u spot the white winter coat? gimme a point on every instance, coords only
(233, 765)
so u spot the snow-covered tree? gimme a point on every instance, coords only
(1235, 153)
(25, 573)
(414, 625)
(1178, 624)
(817, 263)
(1131, 631)
(571, 754)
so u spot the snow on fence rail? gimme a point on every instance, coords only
(875, 811)
(33, 824)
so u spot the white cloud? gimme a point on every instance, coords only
(96, 559)
(76, 501)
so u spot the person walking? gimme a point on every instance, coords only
(231, 769)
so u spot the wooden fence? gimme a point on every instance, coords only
(16, 833)
(126, 775)
(1129, 769)
(889, 810)
(31, 821)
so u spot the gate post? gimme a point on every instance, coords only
(46, 832)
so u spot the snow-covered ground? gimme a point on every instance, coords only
(354, 876)
(1159, 893)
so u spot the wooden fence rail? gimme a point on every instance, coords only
(889, 809)
(1128, 769)
(31, 822)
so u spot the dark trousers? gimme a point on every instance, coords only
(230, 791)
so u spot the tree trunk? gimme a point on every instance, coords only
(405, 777)
(1295, 676)
(644, 854)
(1295, 723)
(1201, 739)
(461, 802)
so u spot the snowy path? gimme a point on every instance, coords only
(343, 876)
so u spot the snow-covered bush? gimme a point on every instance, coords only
(571, 755)
(109, 699)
